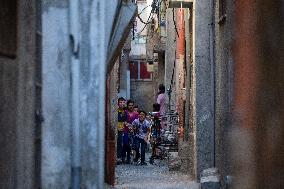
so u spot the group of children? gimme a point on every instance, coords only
(133, 131)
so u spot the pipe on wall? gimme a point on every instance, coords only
(75, 99)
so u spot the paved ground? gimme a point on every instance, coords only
(155, 176)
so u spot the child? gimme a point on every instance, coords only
(135, 108)
(141, 129)
(126, 147)
(131, 116)
(155, 131)
(121, 120)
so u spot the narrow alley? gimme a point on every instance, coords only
(152, 176)
(138, 94)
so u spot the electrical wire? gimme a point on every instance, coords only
(155, 9)
(144, 9)
(148, 22)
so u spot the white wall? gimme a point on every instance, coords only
(138, 46)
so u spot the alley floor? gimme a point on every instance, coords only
(156, 176)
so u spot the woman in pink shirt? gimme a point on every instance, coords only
(161, 99)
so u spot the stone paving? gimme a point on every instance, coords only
(155, 176)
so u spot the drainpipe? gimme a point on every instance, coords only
(75, 74)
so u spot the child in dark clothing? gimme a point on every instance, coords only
(121, 121)
(126, 148)
(155, 131)
(128, 134)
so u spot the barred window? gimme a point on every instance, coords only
(138, 71)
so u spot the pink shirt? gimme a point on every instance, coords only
(162, 101)
(131, 116)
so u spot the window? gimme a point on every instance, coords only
(138, 71)
(8, 25)
(222, 11)
(140, 39)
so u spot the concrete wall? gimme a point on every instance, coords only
(93, 91)
(204, 86)
(8, 94)
(17, 96)
(56, 107)
(142, 92)
(224, 86)
(170, 57)
(93, 39)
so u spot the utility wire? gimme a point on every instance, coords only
(148, 22)
(154, 9)
(144, 9)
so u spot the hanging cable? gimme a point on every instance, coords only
(148, 22)
(144, 9)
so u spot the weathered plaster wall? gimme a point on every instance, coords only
(93, 92)
(25, 156)
(17, 105)
(8, 94)
(204, 109)
(170, 57)
(224, 86)
(143, 94)
(93, 41)
(56, 107)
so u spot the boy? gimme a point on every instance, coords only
(135, 108)
(141, 129)
(155, 131)
(131, 116)
(121, 120)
